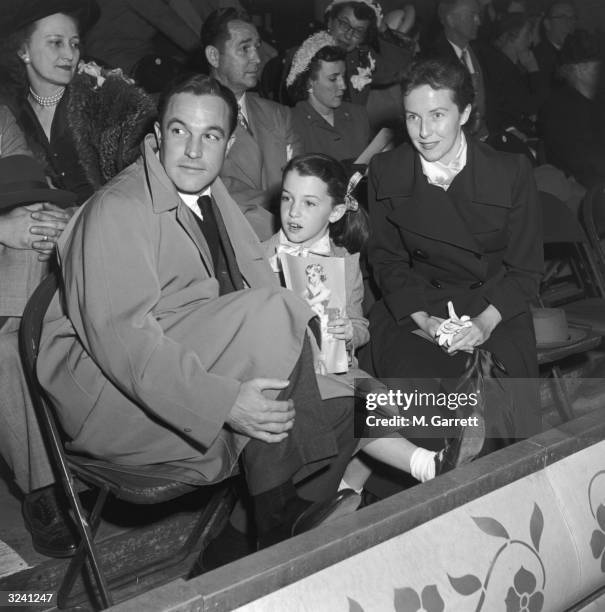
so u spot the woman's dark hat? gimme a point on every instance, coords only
(22, 181)
(17, 14)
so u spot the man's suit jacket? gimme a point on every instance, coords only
(142, 357)
(253, 169)
(441, 47)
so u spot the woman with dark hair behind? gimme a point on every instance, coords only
(452, 220)
(324, 122)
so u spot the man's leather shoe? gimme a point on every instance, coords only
(228, 546)
(344, 502)
(46, 518)
(462, 449)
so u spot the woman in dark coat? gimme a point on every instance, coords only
(453, 220)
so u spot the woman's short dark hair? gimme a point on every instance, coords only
(362, 12)
(439, 73)
(199, 85)
(299, 90)
(351, 230)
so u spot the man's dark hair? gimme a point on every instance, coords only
(550, 11)
(445, 7)
(440, 73)
(199, 85)
(299, 89)
(215, 30)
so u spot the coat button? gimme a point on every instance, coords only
(418, 254)
(187, 429)
(435, 283)
(477, 285)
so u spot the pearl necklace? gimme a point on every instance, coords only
(47, 100)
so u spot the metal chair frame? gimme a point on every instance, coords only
(562, 227)
(130, 483)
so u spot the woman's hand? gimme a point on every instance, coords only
(479, 332)
(341, 329)
(427, 323)
(35, 226)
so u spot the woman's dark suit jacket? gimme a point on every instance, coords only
(479, 243)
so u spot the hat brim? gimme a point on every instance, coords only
(26, 12)
(60, 197)
(576, 334)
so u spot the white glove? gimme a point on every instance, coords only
(451, 326)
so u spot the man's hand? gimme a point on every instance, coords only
(256, 416)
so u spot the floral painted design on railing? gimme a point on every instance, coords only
(522, 596)
(597, 540)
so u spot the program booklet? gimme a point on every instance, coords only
(321, 282)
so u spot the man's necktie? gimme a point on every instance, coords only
(465, 58)
(226, 269)
(241, 119)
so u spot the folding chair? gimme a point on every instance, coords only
(137, 485)
(592, 217)
(572, 278)
(573, 282)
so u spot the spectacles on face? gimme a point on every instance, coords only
(568, 18)
(348, 30)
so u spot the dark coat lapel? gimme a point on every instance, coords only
(430, 211)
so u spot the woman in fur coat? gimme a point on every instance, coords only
(84, 123)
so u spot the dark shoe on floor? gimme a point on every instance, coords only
(344, 502)
(46, 518)
(462, 449)
(228, 546)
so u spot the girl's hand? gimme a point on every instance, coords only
(341, 329)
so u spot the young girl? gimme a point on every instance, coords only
(320, 216)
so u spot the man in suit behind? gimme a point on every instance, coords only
(264, 139)
(559, 22)
(460, 20)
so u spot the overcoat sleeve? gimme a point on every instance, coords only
(111, 295)
(402, 289)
